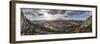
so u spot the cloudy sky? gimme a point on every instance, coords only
(34, 14)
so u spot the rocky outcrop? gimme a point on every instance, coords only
(54, 27)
